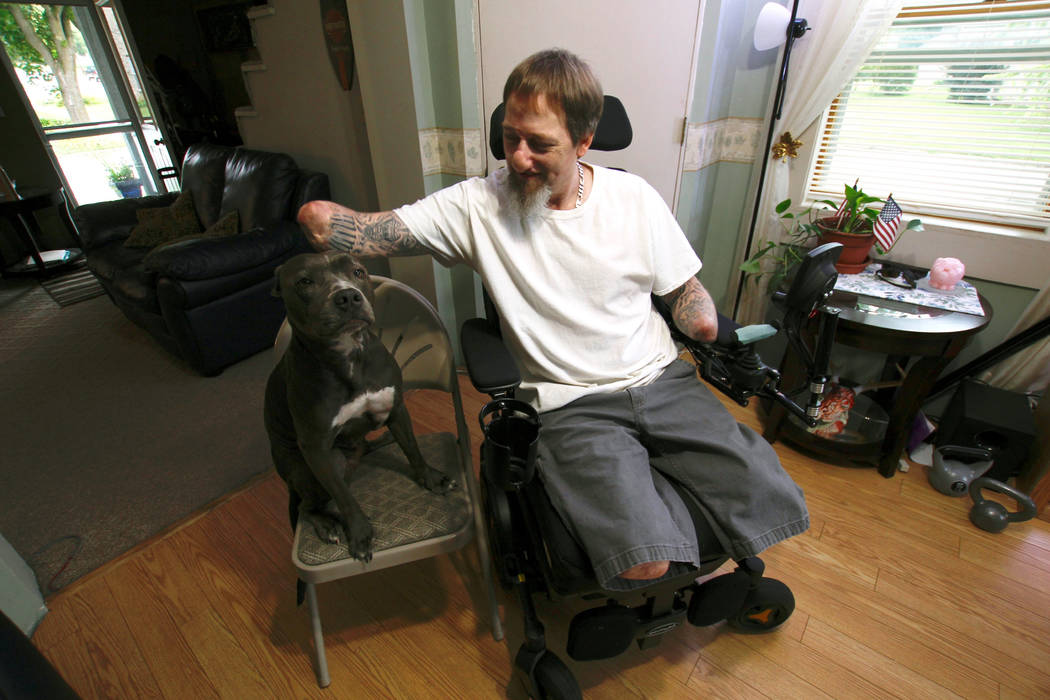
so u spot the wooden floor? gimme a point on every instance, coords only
(898, 595)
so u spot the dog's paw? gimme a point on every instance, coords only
(328, 528)
(436, 481)
(361, 541)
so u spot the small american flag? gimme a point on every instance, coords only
(888, 224)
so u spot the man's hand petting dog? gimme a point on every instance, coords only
(335, 383)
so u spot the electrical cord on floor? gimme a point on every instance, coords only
(77, 543)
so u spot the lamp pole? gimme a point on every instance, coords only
(796, 29)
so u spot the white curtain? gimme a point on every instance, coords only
(1028, 370)
(822, 63)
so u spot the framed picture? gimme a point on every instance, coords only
(226, 27)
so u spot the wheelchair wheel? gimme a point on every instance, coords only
(498, 517)
(554, 680)
(766, 607)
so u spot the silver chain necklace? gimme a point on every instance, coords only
(579, 195)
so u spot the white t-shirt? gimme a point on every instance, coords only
(572, 286)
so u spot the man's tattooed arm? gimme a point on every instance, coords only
(693, 311)
(367, 235)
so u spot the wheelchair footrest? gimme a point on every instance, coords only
(716, 599)
(746, 599)
(605, 632)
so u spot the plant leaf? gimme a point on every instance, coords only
(751, 267)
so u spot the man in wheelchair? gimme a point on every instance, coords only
(572, 255)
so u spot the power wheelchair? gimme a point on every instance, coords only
(532, 550)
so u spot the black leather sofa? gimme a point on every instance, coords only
(207, 299)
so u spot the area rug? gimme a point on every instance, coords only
(107, 439)
(73, 287)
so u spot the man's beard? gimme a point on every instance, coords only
(521, 200)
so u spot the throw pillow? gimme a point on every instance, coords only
(158, 225)
(229, 224)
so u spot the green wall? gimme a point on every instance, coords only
(444, 80)
(732, 82)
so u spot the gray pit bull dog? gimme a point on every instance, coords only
(335, 383)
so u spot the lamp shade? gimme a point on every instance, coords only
(771, 27)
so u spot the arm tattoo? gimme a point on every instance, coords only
(373, 235)
(693, 311)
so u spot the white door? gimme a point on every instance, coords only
(642, 52)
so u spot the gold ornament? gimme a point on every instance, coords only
(786, 146)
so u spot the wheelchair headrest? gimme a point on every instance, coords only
(613, 133)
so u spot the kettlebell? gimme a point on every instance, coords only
(993, 516)
(955, 467)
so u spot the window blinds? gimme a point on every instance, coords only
(950, 115)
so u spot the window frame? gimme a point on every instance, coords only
(153, 161)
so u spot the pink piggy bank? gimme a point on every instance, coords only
(946, 272)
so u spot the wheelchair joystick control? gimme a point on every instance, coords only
(511, 430)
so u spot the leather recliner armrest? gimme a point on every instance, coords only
(97, 222)
(206, 258)
(312, 185)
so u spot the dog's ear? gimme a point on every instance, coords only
(276, 291)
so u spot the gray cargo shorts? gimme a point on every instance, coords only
(603, 458)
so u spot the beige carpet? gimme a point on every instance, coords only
(105, 439)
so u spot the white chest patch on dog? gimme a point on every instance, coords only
(377, 404)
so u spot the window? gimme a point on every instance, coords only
(950, 114)
(80, 81)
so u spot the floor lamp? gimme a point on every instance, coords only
(775, 26)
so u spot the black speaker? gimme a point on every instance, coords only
(995, 419)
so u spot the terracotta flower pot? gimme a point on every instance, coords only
(855, 247)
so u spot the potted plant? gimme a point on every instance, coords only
(124, 179)
(850, 223)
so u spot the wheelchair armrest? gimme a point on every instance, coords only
(490, 365)
(731, 335)
(732, 365)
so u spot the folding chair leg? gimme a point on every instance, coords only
(490, 586)
(481, 539)
(321, 667)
